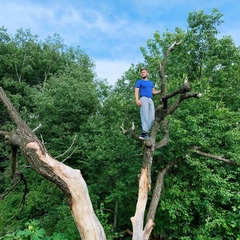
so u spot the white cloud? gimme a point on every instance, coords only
(18, 15)
(108, 31)
(111, 70)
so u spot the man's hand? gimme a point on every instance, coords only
(139, 103)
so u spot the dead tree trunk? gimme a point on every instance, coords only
(141, 231)
(69, 180)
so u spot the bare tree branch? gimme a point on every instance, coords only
(12, 112)
(165, 133)
(180, 99)
(130, 131)
(18, 177)
(220, 158)
(74, 139)
(158, 188)
(183, 89)
(40, 125)
(162, 67)
(16, 181)
(13, 161)
(22, 203)
(170, 49)
(4, 133)
(70, 154)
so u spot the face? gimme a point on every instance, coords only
(144, 74)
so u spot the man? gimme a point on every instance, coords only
(144, 90)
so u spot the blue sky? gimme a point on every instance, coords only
(111, 31)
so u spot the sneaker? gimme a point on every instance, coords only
(144, 136)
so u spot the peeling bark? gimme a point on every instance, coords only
(66, 178)
(138, 219)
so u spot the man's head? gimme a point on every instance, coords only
(144, 73)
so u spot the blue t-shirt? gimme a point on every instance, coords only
(145, 88)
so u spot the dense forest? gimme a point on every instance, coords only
(78, 117)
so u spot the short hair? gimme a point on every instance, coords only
(143, 68)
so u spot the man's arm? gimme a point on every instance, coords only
(154, 92)
(138, 102)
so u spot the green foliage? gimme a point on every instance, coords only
(34, 70)
(202, 204)
(54, 85)
(33, 232)
(108, 228)
(40, 203)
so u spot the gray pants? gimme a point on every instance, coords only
(147, 113)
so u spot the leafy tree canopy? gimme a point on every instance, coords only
(56, 86)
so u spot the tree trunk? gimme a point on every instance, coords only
(138, 219)
(68, 179)
(72, 183)
(150, 146)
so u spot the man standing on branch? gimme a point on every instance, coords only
(144, 91)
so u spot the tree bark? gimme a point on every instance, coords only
(66, 178)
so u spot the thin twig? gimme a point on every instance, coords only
(68, 148)
(70, 155)
(40, 125)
